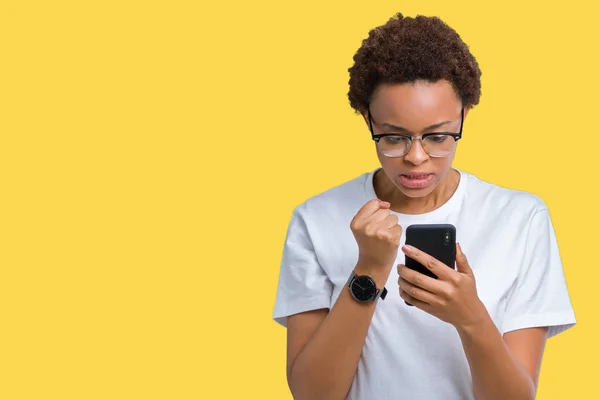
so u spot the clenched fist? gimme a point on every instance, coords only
(377, 234)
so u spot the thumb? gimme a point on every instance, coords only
(462, 264)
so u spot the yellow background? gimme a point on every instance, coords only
(152, 152)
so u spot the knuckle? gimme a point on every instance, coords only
(431, 264)
(370, 230)
(449, 293)
(384, 235)
(369, 204)
(418, 279)
(455, 280)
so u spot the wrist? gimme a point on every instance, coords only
(378, 273)
(480, 321)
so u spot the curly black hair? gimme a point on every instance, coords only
(408, 49)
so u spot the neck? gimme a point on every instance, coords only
(387, 191)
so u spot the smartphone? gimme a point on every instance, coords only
(437, 240)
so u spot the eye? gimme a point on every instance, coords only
(438, 138)
(395, 140)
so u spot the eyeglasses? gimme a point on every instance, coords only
(435, 144)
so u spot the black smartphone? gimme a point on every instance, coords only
(437, 240)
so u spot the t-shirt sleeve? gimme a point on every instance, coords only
(541, 297)
(303, 283)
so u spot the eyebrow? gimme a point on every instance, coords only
(429, 128)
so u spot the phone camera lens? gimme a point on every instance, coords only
(447, 238)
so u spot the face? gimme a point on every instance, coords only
(415, 109)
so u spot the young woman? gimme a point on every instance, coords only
(475, 332)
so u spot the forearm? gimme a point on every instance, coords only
(325, 367)
(495, 372)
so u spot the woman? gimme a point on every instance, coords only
(475, 332)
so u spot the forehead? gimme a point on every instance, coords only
(420, 103)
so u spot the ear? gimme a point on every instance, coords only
(366, 118)
(467, 109)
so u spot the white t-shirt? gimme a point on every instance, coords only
(509, 240)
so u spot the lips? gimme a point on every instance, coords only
(416, 180)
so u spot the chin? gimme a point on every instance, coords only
(415, 193)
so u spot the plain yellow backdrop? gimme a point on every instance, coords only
(152, 152)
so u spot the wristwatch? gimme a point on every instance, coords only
(363, 288)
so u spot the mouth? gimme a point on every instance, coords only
(416, 181)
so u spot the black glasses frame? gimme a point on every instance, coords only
(455, 136)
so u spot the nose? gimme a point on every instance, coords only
(416, 154)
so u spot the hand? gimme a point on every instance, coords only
(452, 297)
(377, 234)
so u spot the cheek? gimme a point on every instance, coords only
(444, 164)
(382, 159)
(441, 165)
(390, 163)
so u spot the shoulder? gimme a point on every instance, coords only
(335, 203)
(481, 189)
(491, 197)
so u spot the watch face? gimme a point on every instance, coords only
(363, 288)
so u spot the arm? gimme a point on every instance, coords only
(541, 291)
(324, 347)
(503, 368)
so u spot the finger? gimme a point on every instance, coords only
(378, 216)
(462, 264)
(414, 302)
(439, 269)
(389, 222)
(371, 207)
(416, 292)
(418, 279)
(396, 231)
